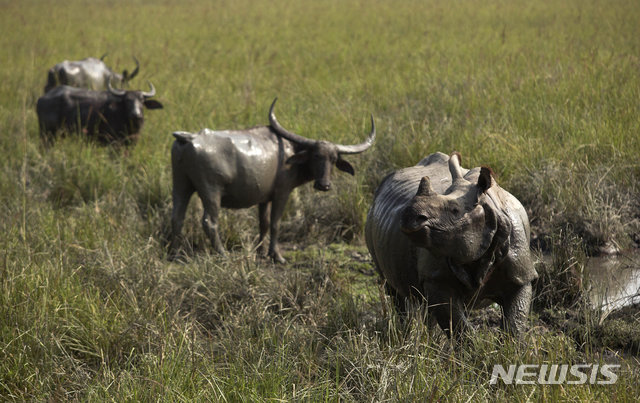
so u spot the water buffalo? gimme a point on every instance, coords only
(239, 169)
(453, 236)
(88, 73)
(112, 116)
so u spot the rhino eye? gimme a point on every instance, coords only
(455, 211)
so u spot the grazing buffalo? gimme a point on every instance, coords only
(112, 116)
(239, 169)
(88, 73)
(453, 236)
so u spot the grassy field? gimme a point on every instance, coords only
(547, 93)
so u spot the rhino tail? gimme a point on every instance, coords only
(184, 137)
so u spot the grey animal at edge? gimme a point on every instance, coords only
(88, 73)
(453, 236)
(242, 168)
(112, 116)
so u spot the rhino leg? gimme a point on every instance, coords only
(264, 209)
(448, 309)
(211, 204)
(516, 309)
(399, 302)
(277, 208)
(181, 194)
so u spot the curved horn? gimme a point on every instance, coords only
(454, 166)
(151, 92)
(281, 131)
(358, 148)
(113, 90)
(135, 71)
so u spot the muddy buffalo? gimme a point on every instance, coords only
(453, 236)
(239, 169)
(88, 73)
(112, 116)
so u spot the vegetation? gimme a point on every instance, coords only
(546, 93)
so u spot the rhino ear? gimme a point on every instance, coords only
(425, 188)
(485, 180)
(299, 157)
(345, 166)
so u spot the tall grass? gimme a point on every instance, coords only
(546, 93)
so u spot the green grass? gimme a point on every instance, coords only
(546, 93)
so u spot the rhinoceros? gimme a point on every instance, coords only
(453, 236)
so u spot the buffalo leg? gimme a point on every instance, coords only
(211, 204)
(516, 309)
(277, 208)
(47, 135)
(182, 191)
(264, 209)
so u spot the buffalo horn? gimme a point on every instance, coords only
(358, 148)
(113, 90)
(281, 131)
(136, 70)
(151, 92)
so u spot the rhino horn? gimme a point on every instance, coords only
(454, 166)
(425, 188)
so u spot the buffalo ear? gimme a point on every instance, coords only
(485, 180)
(344, 166)
(299, 157)
(152, 104)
